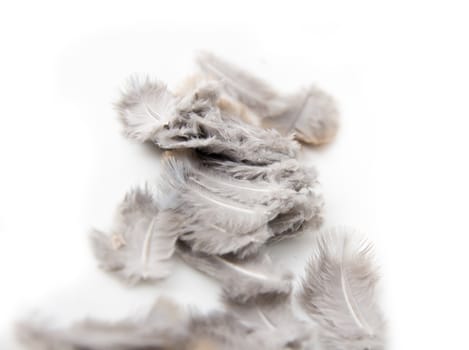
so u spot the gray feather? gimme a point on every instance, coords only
(248, 213)
(339, 293)
(235, 226)
(302, 209)
(310, 114)
(241, 280)
(141, 245)
(273, 319)
(290, 208)
(165, 327)
(241, 85)
(258, 294)
(225, 331)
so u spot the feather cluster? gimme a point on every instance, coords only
(230, 184)
(246, 178)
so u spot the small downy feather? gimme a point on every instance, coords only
(339, 293)
(141, 244)
(242, 280)
(145, 106)
(310, 114)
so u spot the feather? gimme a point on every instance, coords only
(165, 327)
(310, 114)
(272, 318)
(248, 214)
(223, 331)
(339, 293)
(142, 243)
(234, 226)
(303, 207)
(144, 107)
(241, 85)
(277, 197)
(258, 294)
(241, 280)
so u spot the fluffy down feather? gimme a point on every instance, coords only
(339, 293)
(145, 106)
(142, 243)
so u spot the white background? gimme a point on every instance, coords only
(396, 172)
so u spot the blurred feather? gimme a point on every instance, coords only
(310, 114)
(226, 331)
(241, 85)
(165, 327)
(339, 293)
(165, 330)
(272, 318)
(141, 245)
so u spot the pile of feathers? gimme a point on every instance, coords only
(230, 185)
